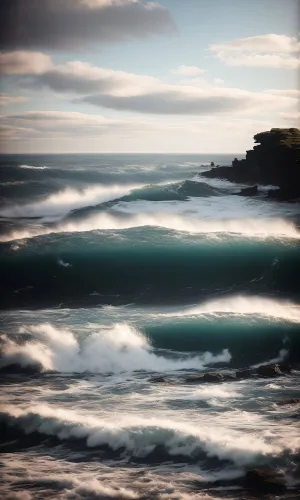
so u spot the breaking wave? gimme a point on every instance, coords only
(34, 167)
(252, 228)
(59, 204)
(241, 306)
(140, 437)
(120, 348)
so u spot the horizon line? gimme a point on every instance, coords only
(121, 153)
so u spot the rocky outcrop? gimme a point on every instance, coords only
(275, 159)
(205, 377)
(272, 370)
(287, 402)
(262, 480)
(159, 380)
(285, 367)
(250, 191)
(244, 373)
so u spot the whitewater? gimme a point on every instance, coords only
(141, 304)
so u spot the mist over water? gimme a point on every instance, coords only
(125, 276)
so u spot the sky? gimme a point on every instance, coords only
(172, 76)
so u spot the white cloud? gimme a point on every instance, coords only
(95, 4)
(80, 77)
(59, 131)
(268, 51)
(61, 24)
(292, 118)
(6, 100)
(259, 61)
(121, 91)
(58, 124)
(285, 92)
(260, 44)
(23, 62)
(218, 81)
(188, 70)
(191, 101)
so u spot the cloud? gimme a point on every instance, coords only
(285, 92)
(190, 101)
(124, 91)
(60, 124)
(188, 70)
(82, 78)
(292, 118)
(259, 61)
(58, 131)
(6, 100)
(260, 44)
(268, 51)
(174, 100)
(72, 24)
(22, 63)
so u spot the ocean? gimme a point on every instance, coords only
(121, 277)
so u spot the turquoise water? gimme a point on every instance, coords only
(117, 269)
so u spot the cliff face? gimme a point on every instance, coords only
(275, 159)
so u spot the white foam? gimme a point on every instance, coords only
(253, 228)
(282, 355)
(34, 167)
(242, 306)
(206, 393)
(94, 489)
(59, 204)
(139, 436)
(117, 349)
(63, 263)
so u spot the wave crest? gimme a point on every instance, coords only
(253, 228)
(140, 437)
(59, 204)
(117, 349)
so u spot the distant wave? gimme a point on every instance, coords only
(117, 349)
(59, 204)
(244, 306)
(253, 228)
(34, 167)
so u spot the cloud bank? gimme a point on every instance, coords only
(6, 100)
(188, 70)
(73, 24)
(268, 51)
(123, 91)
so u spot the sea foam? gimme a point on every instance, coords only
(252, 228)
(140, 436)
(117, 349)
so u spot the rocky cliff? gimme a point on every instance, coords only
(274, 159)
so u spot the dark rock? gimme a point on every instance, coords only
(285, 367)
(264, 481)
(218, 364)
(291, 193)
(204, 377)
(274, 159)
(16, 369)
(272, 370)
(194, 379)
(160, 380)
(244, 373)
(292, 401)
(249, 191)
(213, 377)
